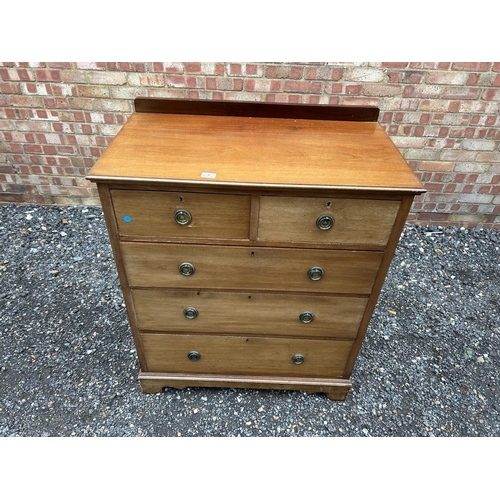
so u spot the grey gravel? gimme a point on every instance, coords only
(68, 366)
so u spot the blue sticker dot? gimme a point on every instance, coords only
(127, 218)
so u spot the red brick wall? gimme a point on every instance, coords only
(57, 118)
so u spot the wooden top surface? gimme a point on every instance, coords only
(250, 151)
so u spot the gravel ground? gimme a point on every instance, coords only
(428, 366)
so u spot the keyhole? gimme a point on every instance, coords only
(181, 198)
(249, 296)
(328, 204)
(252, 254)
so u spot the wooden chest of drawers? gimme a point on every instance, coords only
(252, 240)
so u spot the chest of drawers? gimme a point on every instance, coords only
(252, 240)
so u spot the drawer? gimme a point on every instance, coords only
(234, 267)
(152, 214)
(237, 355)
(248, 313)
(353, 221)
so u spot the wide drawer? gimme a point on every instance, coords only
(226, 267)
(152, 214)
(248, 313)
(237, 355)
(345, 221)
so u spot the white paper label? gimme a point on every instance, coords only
(208, 175)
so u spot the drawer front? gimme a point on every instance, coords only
(152, 214)
(248, 313)
(345, 221)
(157, 265)
(245, 355)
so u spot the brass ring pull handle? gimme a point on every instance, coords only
(194, 355)
(186, 269)
(190, 312)
(325, 222)
(182, 217)
(298, 359)
(306, 317)
(315, 273)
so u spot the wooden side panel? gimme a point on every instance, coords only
(356, 221)
(245, 355)
(222, 267)
(151, 213)
(107, 207)
(379, 282)
(248, 313)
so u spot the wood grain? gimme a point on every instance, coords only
(255, 109)
(255, 151)
(151, 213)
(356, 221)
(248, 355)
(251, 268)
(248, 313)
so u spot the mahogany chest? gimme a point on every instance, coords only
(252, 240)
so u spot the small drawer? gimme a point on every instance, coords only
(173, 265)
(159, 214)
(326, 220)
(245, 355)
(248, 313)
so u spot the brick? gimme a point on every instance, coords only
(59, 65)
(405, 76)
(130, 92)
(324, 73)
(277, 71)
(365, 75)
(334, 88)
(476, 198)
(183, 81)
(48, 75)
(92, 91)
(461, 93)
(10, 88)
(73, 76)
(242, 96)
(381, 90)
(64, 90)
(303, 87)
(430, 65)
(258, 85)
(322, 99)
(402, 104)
(492, 95)
(478, 145)
(91, 65)
(447, 78)
(17, 74)
(361, 101)
(471, 66)
(170, 68)
(457, 155)
(422, 91)
(106, 78)
(436, 166)
(173, 93)
(26, 101)
(57, 102)
(395, 64)
(146, 80)
(473, 167)
(226, 84)
(296, 72)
